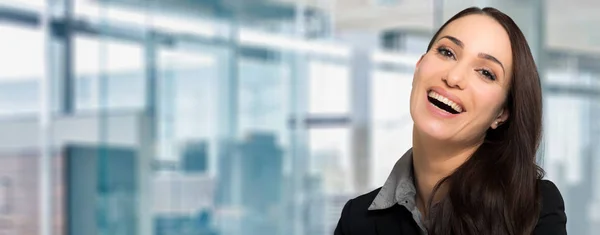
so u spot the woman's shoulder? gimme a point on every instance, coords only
(362, 202)
(553, 219)
(551, 196)
(353, 219)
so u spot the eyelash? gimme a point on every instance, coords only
(447, 53)
(489, 74)
(443, 50)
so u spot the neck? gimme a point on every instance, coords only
(432, 161)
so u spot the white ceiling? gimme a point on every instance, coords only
(570, 24)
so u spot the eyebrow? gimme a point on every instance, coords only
(491, 58)
(454, 40)
(481, 55)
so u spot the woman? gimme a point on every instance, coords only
(476, 104)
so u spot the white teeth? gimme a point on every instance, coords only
(445, 100)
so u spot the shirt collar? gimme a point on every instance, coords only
(399, 187)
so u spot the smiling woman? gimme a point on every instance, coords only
(476, 104)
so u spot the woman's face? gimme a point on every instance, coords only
(460, 85)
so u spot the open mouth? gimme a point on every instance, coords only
(444, 103)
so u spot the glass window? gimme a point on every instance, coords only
(570, 158)
(571, 134)
(416, 44)
(252, 184)
(331, 174)
(187, 102)
(109, 74)
(256, 181)
(330, 158)
(565, 142)
(29, 4)
(22, 61)
(119, 14)
(391, 121)
(263, 96)
(329, 89)
(387, 3)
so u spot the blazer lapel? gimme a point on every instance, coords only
(395, 221)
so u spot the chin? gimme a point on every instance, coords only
(431, 127)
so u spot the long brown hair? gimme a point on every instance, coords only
(495, 191)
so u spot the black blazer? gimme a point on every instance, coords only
(397, 220)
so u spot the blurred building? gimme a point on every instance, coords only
(195, 157)
(102, 189)
(184, 204)
(253, 177)
(314, 213)
(323, 207)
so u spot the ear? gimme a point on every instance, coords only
(501, 118)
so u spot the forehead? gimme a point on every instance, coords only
(481, 34)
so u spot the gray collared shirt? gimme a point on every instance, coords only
(399, 188)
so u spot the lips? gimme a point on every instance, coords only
(445, 101)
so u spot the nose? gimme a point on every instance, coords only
(455, 78)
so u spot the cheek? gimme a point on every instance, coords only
(428, 67)
(488, 102)
(423, 73)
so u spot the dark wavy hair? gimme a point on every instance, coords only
(496, 190)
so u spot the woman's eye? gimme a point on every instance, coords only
(486, 73)
(445, 52)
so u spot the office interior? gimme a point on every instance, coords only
(206, 117)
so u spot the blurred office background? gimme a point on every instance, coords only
(226, 117)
